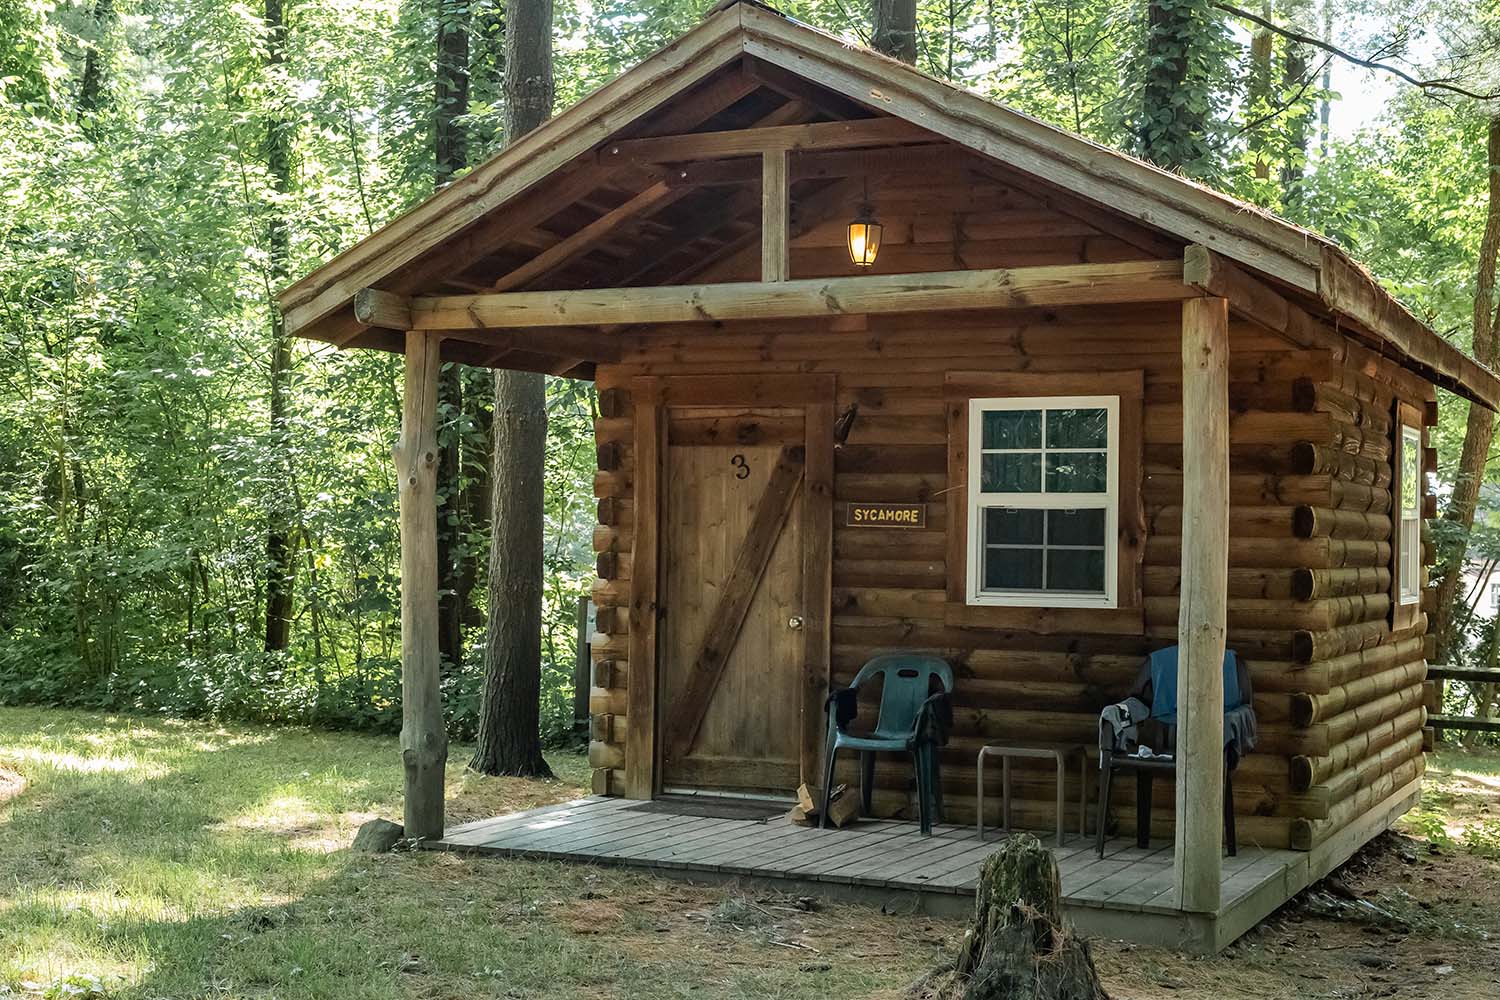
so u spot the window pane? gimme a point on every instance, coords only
(1013, 569)
(1078, 428)
(1075, 527)
(1410, 462)
(1009, 526)
(1075, 569)
(1012, 429)
(1078, 472)
(1011, 473)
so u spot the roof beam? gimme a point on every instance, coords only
(1350, 291)
(856, 134)
(1132, 281)
(585, 239)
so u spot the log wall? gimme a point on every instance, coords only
(1337, 692)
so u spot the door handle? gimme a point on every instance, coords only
(794, 623)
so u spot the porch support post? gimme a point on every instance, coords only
(424, 741)
(774, 216)
(1200, 623)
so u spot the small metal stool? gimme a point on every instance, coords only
(1059, 752)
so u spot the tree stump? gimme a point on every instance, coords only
(1018, 947)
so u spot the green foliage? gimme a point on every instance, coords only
(139, 468)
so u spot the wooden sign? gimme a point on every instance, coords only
(887, 515)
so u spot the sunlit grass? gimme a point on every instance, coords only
(171, 859)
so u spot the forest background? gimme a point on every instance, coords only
(197, 516)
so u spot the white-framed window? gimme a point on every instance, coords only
(1043, 504)
(1494, 596)
(1409, 573)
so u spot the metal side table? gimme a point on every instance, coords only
(1061, 753)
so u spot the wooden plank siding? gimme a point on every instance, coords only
(1337, 692)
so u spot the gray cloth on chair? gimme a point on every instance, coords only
(1125, 725)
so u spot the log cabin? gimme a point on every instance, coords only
(882, 364)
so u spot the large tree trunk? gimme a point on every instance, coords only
(1018, 947)
(895, 29)
(1480, 432)
(1172, 124)
(280, 567)
(509, 741)
(91, 88)
(450, 101)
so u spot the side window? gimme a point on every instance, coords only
(1043, 506)
(1409, 555)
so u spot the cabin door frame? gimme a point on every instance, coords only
(652, 397)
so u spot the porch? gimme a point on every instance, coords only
(1129, 894)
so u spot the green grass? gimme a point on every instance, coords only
(153, 858)
(1460, 807)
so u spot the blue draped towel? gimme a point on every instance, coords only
(1164, 684)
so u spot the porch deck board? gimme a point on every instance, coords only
(1127, 893)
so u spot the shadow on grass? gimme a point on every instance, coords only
(173, 860)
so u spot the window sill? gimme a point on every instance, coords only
(1047, 621)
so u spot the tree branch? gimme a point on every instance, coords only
(1304, 39)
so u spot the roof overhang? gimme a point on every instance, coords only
(321, 304)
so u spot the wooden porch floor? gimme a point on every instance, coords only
(1128, 894)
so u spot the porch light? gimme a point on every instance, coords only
(864, 237)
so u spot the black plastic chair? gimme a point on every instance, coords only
(1144, 720)
(913, 720)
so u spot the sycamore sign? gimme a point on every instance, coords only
(887, 515)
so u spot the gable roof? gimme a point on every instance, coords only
(1297, 259)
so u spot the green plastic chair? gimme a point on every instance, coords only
(913, 720)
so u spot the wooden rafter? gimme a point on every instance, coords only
(755, 141)
(655, 198)
(585, 239)
(1131, 281)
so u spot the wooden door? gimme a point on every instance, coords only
(742, 575)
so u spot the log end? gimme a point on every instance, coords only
(1304, 710)
(1304, 584)
(1304, 458)
(1301, 773)
(1304, 521)
(1302, 646)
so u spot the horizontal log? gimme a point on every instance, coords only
(1308, 645)
(1307, 771)
(606, 755)
(1308, 833)
(856, 134)
(1145, 281)
(1469, 675)
(1310, 708)
(1463, 724)
(1319, 522)
(1311, 584)
(1309, 458)
(1276, 553)
(1344, 725)
(1309, 396)
(1251, 613)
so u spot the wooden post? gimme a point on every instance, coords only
(424, 741)
(773, 216)
(1200, 625)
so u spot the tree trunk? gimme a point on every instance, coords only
(895, 29)
(1299, 120)
(1480, 432)
(509, 741)
(1018, 945)
(1173, 118)
(450, 101)
(91, 86)
(280, 566)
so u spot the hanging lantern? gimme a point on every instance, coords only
(864, 237)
